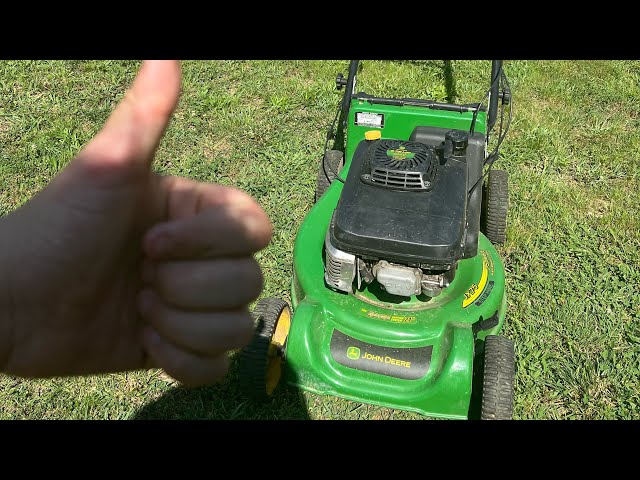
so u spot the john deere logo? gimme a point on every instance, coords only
(400, 153)
(353, 353)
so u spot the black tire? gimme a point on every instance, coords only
(257, 358)
(498, 376)
(496, 206)
(333, 163)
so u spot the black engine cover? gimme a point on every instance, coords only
(409, 207)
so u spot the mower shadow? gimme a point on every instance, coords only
(449, 81)
(224, 401)
(447, 76)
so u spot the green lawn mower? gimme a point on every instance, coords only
(398, 294)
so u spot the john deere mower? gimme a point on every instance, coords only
(398, 294)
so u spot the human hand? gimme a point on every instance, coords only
(112, 267)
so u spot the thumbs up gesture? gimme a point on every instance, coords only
(112, 267)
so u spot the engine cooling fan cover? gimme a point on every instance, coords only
(401, 165)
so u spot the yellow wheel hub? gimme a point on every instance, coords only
(274, 362)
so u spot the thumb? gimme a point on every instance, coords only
(132, 133)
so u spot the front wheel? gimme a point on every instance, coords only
(498, 376)
(260, 362)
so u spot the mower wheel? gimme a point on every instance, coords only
(497, 203)
(499, 372)
(260, 362)
(332, 162)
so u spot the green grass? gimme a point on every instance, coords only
(573, 270)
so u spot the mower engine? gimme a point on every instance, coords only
(405, 218)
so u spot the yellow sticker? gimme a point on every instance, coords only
(475, 290)
(389, 317)
(489, 261)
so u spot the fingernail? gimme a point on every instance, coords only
(251, 222)
(145, 302)
(258, 229)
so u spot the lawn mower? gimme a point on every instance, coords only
(398, 293)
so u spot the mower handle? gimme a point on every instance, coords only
(496, 69)
(353, 69)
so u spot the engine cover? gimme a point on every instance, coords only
(404, 202)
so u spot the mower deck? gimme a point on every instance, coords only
(371, 347)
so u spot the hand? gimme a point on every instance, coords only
(112, 267)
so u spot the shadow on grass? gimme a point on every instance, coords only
(447, 75)
(449, 81)
(224, 401)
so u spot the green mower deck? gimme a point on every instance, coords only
(337, 342)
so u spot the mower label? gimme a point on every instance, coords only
(489, 260)
(405, 363)
(387, 317)
(400, 153)
(485, 294)
(367, 119)
(476, 289)
(353, 353)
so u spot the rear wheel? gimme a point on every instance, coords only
(332, 162)
(496, 206)
(260, 362)
(498, 376)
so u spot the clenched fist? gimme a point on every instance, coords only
(112, 267)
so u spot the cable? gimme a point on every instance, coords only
(486, 96)
(331, 135)
(501, 136)
(493, 156)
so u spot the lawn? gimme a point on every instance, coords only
(571, 255)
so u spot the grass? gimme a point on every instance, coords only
(573, 271)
